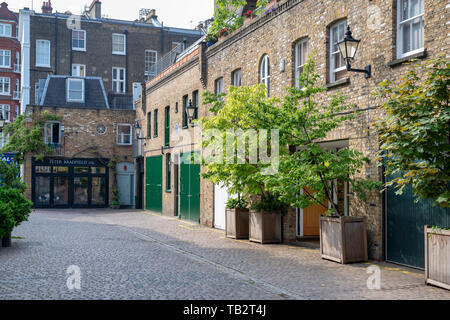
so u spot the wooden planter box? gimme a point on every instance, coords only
(437, 258)
(236, 224)
(265, 227)
(344, 239)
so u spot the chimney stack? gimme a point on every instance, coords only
(47, 7)
(151, 15)
(95, 9)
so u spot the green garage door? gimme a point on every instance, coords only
(406, 221)
(153, 190)
(189, 191)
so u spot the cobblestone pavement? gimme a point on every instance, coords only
(137, 255)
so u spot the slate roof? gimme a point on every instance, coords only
(54, 93)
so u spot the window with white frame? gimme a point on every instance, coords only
(5, 30)
(410, 27)
(237, 78)
(301, 55)
(119, 44)
(5, 58)
(124, 134)
(218, 86)
(264, 72)
(338, 68)
(5, 112)
(5, 86)
(75, 90)
(3, 139)
(42, 53)
(79, 40)
(118, 80)
(78, 70)
(151, 56)
(52, 133)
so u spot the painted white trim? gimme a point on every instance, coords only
(331, 52)
(121, 53)
(68, 82)
(49, 53)
(131, 134)
(85, 44)
(114, 87)
(24, 38)
(399, 43)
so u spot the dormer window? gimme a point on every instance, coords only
(75, 90)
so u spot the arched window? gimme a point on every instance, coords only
(264, 72)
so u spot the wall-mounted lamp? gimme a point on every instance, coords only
(190, 110)
(349, 47)
(138, 130)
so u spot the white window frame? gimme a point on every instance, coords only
(84, 41)
(124, 52)
(116, 82)
(68, 82)
(2, 28)
(300, 58)
(148, 71)
(78, 68)
(3, 81)
(401, 23)
(47, 64)
(5, 111)
(237, 77)
(120, 137)
(48, 132)
(336, 52)
(218, 86)
(264, 72)
(5, 54)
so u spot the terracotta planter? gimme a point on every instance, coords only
(6, 241)
(237, 224)
(437, 257)
(344, 239)
(265, 227)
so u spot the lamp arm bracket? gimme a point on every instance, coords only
(367, 70)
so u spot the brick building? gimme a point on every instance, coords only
(272, 49)
(92, 147)
(9, 65)
(123, 53)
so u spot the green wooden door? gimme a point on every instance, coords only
(154, 188)
(189, 191)
(405, 225)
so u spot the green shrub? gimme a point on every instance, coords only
(238, 203)
(14, 209)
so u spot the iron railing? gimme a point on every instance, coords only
(58, 149)
(168, 60)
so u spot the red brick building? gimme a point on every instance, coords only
(9, 64)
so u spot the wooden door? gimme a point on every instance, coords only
(311, 218)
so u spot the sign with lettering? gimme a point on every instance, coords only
(8, 158)
(72, 162)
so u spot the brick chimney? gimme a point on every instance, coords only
(95, 9)
(151, 15)
(47, 7)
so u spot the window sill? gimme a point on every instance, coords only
(185, 127)
(124, 145)
(338, 83)
(168, 191)
(79, 50)
(166, 147)
(119, 53)
(397, 62)
(42, 66)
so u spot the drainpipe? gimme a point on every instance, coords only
(56, 43)
(162, 38)
(126, 59)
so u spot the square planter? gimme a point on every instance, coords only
(6, 241)
(236, 224)
(344, 239)
(437, 257)
(265, 227)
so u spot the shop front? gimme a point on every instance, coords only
(70, 183)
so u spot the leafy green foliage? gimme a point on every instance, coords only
(308, 170)
(415, 133)
(9, 176)
(225, 16)
(244, 108)
(237, 203)
(14, 209)
(28, 139)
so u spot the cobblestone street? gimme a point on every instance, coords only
(136, 255)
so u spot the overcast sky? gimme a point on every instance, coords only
(174, 13)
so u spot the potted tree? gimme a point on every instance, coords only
(237, 218)
(309, 169)
(414, 140)
(265, 219)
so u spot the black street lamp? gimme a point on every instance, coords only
(138, 130)
(348, 48)
(190, 111)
